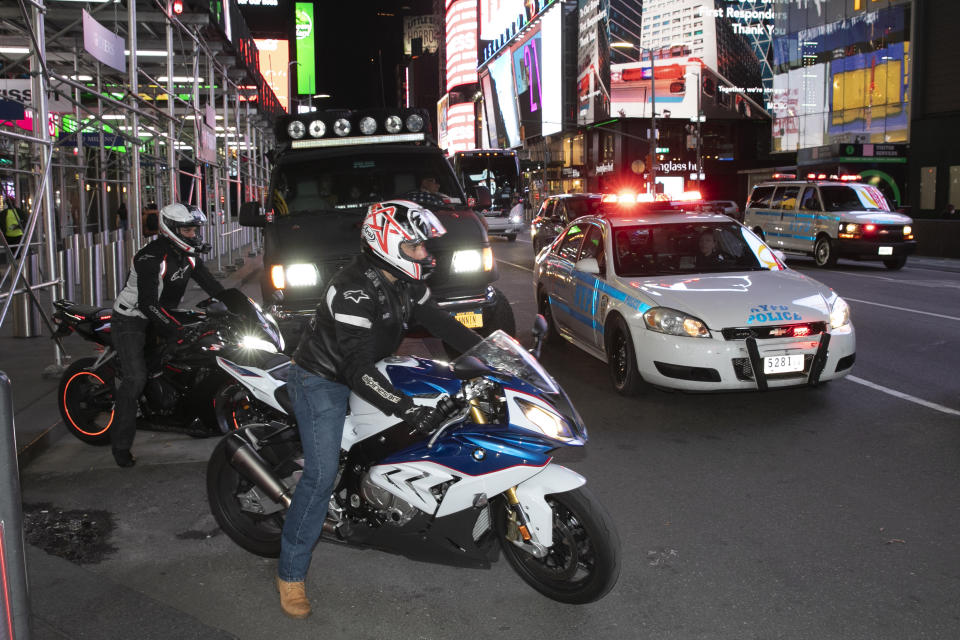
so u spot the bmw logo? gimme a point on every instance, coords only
(479, 455)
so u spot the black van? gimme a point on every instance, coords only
(331, 166)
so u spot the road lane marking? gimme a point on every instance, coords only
(517, 266)
(933, 284)
(905, 396)
(890, 306)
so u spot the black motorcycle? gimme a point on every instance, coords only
(186, 391)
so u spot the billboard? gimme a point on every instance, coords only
(306, 56)
(593, 62)
(842, 77)
(460, 127)
(275, 67)
(460, 37)
(502, 20)
(500, 98)
(684, 87)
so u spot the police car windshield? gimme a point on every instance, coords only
(690, 247)
(843, 198)
(356, 181)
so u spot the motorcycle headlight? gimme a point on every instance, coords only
(252, 342)
(547, 422)
(839, 313)
(470, 260)
(675, 323)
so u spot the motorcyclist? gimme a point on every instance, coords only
(157, 282)
(367, 308)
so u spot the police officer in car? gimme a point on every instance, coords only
(366, 310)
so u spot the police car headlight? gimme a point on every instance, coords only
(414, 123)
(296, 129)
(301, 275)
(367, 125)
(547, 422)
(472, 260)
(251, 342)
(839, 313)
(675, 323)
(317, 128)
(393, 124)
(341, 127)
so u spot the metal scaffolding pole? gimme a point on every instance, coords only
(173, 166)
(133, 232)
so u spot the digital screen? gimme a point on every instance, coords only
(490, 115)
(502, 92)
(527, 62)
(306, 66)
(593, 63)
(274, 67)
(461, 36)
(460, 127)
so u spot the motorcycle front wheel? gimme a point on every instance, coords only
(232, 500)
(234, 408)
(86, 401)
(583, 563)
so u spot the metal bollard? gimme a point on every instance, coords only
(91, 261)
(14, 598)
(26, 318)
(110, 270)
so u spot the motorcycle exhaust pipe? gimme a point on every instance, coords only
(246, 460)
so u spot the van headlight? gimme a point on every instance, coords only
(472, 260)
(302, 274)
(675, 323)
(839, 313)
(252, 342)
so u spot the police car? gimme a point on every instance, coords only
(829, 217)
(686, 300)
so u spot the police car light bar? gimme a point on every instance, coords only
(349, 142)
(784, 176)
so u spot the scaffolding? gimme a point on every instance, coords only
(186, 117)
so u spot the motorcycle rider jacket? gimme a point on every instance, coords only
(363, 319)
(158, 281)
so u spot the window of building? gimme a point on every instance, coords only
(954, 186)
(928, 187)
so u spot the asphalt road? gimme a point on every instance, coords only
(809, 513)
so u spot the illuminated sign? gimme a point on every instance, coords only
(593, 63)
(426, 29)
(460, 127)
(306, 69)
(502, 20)
(461, 37)
(275, 66)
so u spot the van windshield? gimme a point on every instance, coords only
(359, 180)
(861, 198)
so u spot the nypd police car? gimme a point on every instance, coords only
(692, 301)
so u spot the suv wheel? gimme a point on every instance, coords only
(824, 252)
(896, 263)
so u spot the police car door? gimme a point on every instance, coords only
(562, 281)
(586, 289)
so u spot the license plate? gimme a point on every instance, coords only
(782, 364)
(470, 319)
(885, 251)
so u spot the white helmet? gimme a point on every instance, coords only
(175, 217)
(389, 225)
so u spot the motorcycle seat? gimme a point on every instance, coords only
(86, 311)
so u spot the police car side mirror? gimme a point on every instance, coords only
(251, 215)
(588, 265)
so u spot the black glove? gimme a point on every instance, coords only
(423, 419)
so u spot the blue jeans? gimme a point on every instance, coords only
(320, 406)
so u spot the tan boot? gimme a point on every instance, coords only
(293, 598)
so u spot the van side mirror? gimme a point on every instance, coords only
(251, 215)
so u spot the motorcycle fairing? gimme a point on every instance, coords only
(258, 381)
(553, 478)
(420, 377)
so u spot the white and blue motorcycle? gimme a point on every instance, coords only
(483, 480)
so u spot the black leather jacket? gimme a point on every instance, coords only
(363, 319)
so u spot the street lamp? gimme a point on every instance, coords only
(699, 119)
(652, 173)
(290, 85)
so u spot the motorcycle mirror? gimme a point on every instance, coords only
(467, 367)
(277, 296)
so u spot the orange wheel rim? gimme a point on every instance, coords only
(66, 409)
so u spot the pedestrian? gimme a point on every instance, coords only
(122, 216)
(367, 307)
(12, 224)
(950, 213)
(150, 225)
(141, 312)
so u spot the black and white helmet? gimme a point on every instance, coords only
(393, 223)
(175, 217)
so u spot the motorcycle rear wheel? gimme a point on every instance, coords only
(583, 563)
(258, 534)
(86, 401)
